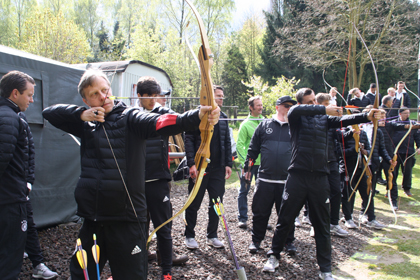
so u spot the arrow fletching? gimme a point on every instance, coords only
(81, 255)
(95, 250)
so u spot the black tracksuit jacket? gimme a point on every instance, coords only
(100, 193)
(272, 140)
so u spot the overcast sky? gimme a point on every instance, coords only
(244, 7)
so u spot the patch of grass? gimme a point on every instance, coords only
(405, 270)
(406, 251)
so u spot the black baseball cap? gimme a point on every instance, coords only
(165, 92)
(284, 99)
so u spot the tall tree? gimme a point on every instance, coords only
(234, 72)
(216, 15)
(54, 37)
(7, 26)
(280, 63)
(250, 41)
(22, 12)
(57, 6)
(322, 34)
(86, 15)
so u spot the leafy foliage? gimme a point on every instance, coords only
(54, 37)
(270, 94)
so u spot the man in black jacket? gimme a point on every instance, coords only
(110, 193)
(33, 248)
(217, 171)
(17, 90)
(371, 93)
(271, 139)
(359, 99)
(405, 155)
(334, 176)
(158, 192)
(308, 175)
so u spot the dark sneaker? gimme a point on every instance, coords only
(290, 248)
(41, 271)
(242, 225)
(381, 181)
(151, 256)
(179, 260)
(254, 247)
(408, 193)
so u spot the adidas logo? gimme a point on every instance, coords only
(165, 199)
(328, 200)
(136, 250)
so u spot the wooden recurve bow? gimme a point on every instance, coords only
(202, 157)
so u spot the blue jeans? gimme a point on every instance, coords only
(243, 193)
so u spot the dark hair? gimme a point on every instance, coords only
(372, 85)
(252, 100)
(148, 85)
(88, 78)
(303, 92)
(14, 80)
(402, 109)
(401, 82)
(218, 87)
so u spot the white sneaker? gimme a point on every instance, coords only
(306, 220)
(216, 243)
(364, 220)
(350, 224)
(326, 276)
(191, 243)
(271, 264)
(297, 222)
(312, 232)
(375, 224)
(41, 271)
(337, 230)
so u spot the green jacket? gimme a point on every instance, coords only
(246, 130)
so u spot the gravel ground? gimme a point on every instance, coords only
(206, 262)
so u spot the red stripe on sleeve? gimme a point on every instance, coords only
(165, 120)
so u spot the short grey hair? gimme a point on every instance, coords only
(88, 78)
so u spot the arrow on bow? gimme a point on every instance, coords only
(202, 157)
